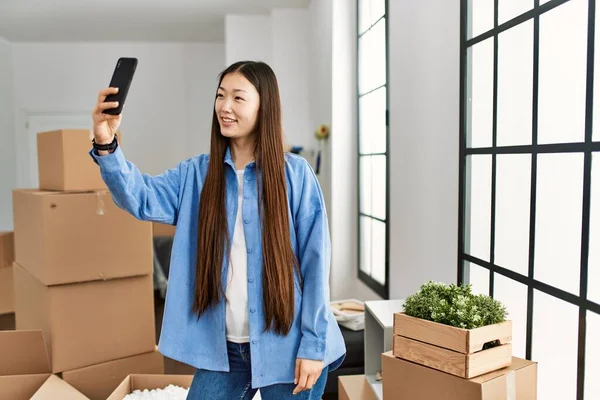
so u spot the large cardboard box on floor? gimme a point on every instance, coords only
(7, 303)
(66, 237)
(87, 323)
(64, 162)
(405, 380)
(150, 382)
(354, 387)
(7, 249)
(25, 369)
(98, 381)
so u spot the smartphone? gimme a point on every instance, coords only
(122, 77)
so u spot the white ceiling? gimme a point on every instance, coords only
(126, 20)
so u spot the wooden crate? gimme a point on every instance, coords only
(453, 350)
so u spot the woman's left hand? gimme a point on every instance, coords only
(307, 373)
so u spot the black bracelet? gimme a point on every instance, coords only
(106, 147)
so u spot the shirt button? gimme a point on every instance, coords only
(246, 221)
(253, 310)
(250, 280)
(246, 197)
(248, 179)
(249, 251)
(254, 342)
(319, 349)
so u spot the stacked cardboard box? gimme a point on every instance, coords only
(405, 380)
(25, 370)
(430, 360)
(7, 254)
(83, 271)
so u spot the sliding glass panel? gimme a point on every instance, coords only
(514, 296)
(481, 102)
(515, 85)
(562, 73)
(482, 16)
(372, 110)
(558, 220)
(479, 205)
(509, 9)
(513, 196)
(592, 357)
(594, 238)
(479, 278)
(554, 348)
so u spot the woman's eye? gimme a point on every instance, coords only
(239, 98)
(219, 95)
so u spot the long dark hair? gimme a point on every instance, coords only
(279, 261)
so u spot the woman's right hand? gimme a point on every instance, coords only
(105, 125)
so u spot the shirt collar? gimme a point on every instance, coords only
(229, 160)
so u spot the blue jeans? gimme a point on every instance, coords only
(237, 384)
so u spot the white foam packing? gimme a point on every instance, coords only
(171, 392)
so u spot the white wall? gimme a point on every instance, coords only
(290, 54)
(344, 200)
(248, 37)
(320, 36)
(423, 148)
(7, 136)
(424, 142)
(282, 40)
(202, 63)
(168, 110)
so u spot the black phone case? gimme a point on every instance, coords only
(122, 77)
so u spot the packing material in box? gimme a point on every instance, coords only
(98, 381)
(7, 303)
(25, 369)
(64, 162)
(150, 382)
(7, 249)
(66, 237)
(87, 323)
(354, 387)
(406, 380)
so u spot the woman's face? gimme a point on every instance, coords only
(237, 106)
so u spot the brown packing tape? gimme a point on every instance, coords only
(100, 195)
(511, 386)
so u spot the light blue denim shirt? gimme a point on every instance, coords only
(173, 198)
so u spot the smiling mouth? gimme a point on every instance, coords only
(228, 119)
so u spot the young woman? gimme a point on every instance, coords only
(248, 296)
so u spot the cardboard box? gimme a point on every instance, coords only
(354, 387)
(142, 382)
(64, 162)
(7, 302)
(87, 323)
(159, 229)
(63, 237)
(98, 381)
(25, 369)
(406, 380)
(7, 249)
(7, 322)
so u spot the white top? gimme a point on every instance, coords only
(237, 273)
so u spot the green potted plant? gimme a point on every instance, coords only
(448, 327)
